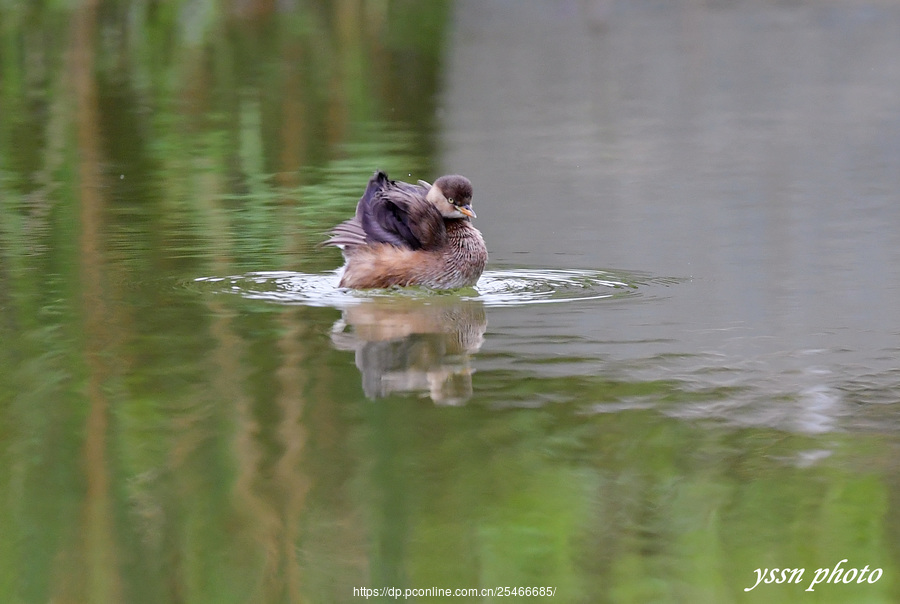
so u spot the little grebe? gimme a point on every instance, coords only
(406, 234)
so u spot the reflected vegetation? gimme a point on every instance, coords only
(162, 442)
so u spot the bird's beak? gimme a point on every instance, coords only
(467, 210)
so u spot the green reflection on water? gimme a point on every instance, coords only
(159, 444)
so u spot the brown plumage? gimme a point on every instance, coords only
(406, 234)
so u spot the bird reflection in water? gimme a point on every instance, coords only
(414, 346)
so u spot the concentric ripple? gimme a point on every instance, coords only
(513, 287)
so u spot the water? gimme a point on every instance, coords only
(511, 287)
(678, 371)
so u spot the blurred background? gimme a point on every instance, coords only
(703, 196)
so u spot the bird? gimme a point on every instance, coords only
(412, 234)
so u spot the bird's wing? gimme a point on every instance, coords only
(392, 212)
(398, 213)
(347, 234)
(352, 232)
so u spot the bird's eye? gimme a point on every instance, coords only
(451, 200)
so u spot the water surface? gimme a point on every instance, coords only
(680, 366)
